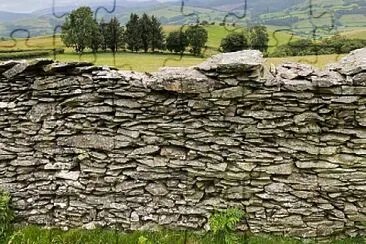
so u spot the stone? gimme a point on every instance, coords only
(297, 85)
(307, 117)
(235, 62)
(277, 188)
(7, 105)
(182, 80)
(281, 169)
(291, 221)
(68, 175)
(15, 70)
(126, 103)
(232, 92)
(88, 141)
(174, 152)
(40, 111)
(310, 165)
(157, 189)
(354, 63)
(132, 134)
(360, 79)
(328, 79)
(87, 146)
(145, 150)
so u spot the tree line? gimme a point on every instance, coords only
(336, 44)
(81, 31)
(254, 37)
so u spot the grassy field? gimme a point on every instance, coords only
(133, 61)
(152, 62)
(43, 42)
(355, 33)
(319, 61)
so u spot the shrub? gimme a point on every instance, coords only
(26, 54)
(223, 225)
(6, 215)
(234, 42)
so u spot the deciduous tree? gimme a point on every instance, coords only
(77, 31)
(177, 42)
(258, 38)
(233, 42)
(197, 38)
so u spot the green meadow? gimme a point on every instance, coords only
(150, 62)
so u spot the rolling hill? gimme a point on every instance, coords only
(326, 18)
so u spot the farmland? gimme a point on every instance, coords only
(152, 62)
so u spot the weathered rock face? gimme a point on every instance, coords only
(86, 146)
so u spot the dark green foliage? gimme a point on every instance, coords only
(234, 42)
(6, 215)
(77, 31)
(145, 30)
(223, 225)
(177, 42)
(258, 38)
(255, 37)
(133, 33)
(114, 35)
(96, 38)
(197, 38)
(103, 27)
(157, 34)
(28, 54)
(336, 44)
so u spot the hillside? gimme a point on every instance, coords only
(328, 16)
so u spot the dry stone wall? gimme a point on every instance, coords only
(85, 146)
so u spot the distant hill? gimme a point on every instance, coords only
(9, 16)
(328, 17)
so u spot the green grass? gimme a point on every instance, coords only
(319, 61)
(355, 33)
(36, 235)
(353, 20)
(43, 42)
(133, 61)
(153, 62)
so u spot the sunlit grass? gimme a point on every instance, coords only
(134, 61)
(319, 61)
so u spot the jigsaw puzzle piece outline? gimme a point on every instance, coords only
(113, 9)
(15, 40)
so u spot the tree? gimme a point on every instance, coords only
(177, 42)
(258, 38)
(197, 37)
(133, 33)
(103, 27)
(146, 32)
(114, 35)
(77, 31)
(157, 34)
(234, 42)
(97, 38)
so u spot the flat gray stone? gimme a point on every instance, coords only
(354, 63)
(235, 62)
